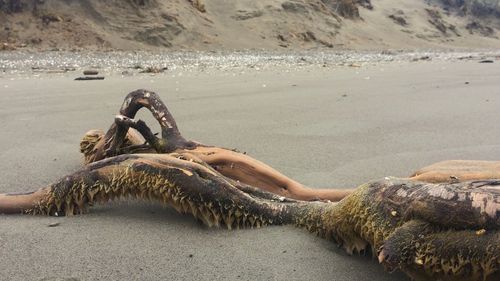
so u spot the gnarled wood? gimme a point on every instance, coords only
(122, 136)
(456, 238)
(446, 231)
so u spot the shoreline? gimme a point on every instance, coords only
(116, 62)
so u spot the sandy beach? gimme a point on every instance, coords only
(326, 126)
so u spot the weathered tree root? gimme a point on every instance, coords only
(447, 231)
(187, 186)
(127, 134)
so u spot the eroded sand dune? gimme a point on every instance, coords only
(270, 24)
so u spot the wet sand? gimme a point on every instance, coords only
(326, 127)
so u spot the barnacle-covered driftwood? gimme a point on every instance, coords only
(447, 230)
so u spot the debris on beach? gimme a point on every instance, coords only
(7, 47)
(152, 69)
(86, 78)
(90, 72)
(90, 75)
(422, 58)
(52, 71)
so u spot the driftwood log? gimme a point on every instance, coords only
(442, 223)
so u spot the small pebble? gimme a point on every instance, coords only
(90, 72)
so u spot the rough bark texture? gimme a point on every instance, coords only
(446, 231)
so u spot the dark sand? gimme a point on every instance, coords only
(326, 127)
